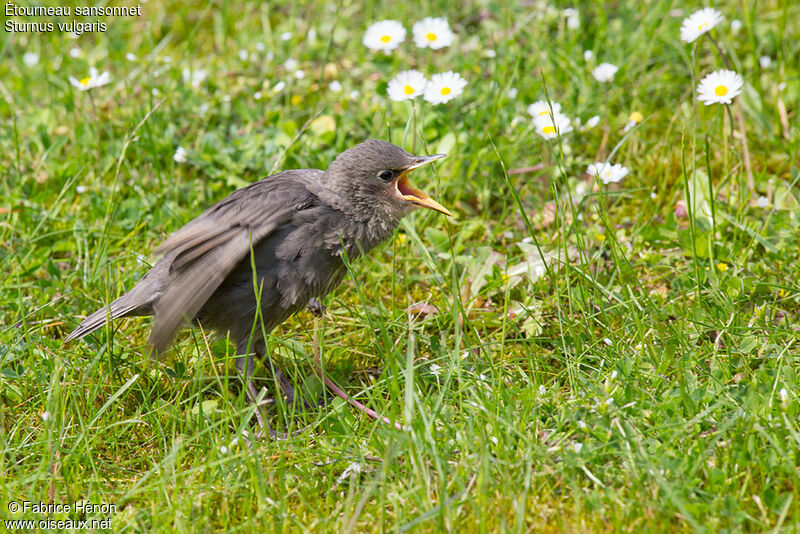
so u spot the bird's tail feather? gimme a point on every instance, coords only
(122, 307)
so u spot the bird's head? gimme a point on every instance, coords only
(374, 176)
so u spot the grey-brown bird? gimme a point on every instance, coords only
(278, 244)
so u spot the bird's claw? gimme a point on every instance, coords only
(316, 307)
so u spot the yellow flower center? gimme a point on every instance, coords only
(722, 267)
(407, 89)
(703, 25)
(549, 129)
(296, 100)
(445, 91)
(385, 38)
(431, 36)
(636, 117)
(600, 237)
(545, 112)
(720, 90)
(86, 80)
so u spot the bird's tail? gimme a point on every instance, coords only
(125, 306)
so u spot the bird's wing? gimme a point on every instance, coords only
(204, 252)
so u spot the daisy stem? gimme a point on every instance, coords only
(414, 137)
(740, 119)
(94, 105)
(712, 201)
(724, 146)
(96, 122)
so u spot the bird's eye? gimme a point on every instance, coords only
(386, 175)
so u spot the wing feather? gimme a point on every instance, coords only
(205, 251)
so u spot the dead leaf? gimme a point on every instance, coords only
(423, 308)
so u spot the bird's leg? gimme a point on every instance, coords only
(284, 383)
(245, 367)
(342, 395)
(316, 307)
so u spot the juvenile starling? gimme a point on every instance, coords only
(277, 242)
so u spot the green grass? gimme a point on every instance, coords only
(634, 385)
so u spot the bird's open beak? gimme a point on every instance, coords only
(411, 193)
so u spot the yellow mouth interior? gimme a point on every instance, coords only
(410, 193)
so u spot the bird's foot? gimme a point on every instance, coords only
(316, 308)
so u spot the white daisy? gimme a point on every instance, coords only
(736, 25)
(260, 46)
(432, 33)
(541, 108)
(90, 82)
(607, 173)
(181, 155)
(384, 35)
(74, 52)
(512, 93)
(765, 62)
(45, 415)
(285, 36)
(444, 87)
(335, 86)
(699, 23)
(130, 57)
(291, 64)
(762, 202)
(257, 95)
(280, 86)
(551, 127)
(299, 74)
(30, 59)
(592, 122)
(243, 54)
(783, 394)
(588, 55)
(406, 85)
(194, 77)
(604, 72)
(542, 390)
(719, 87)
(573, 18)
